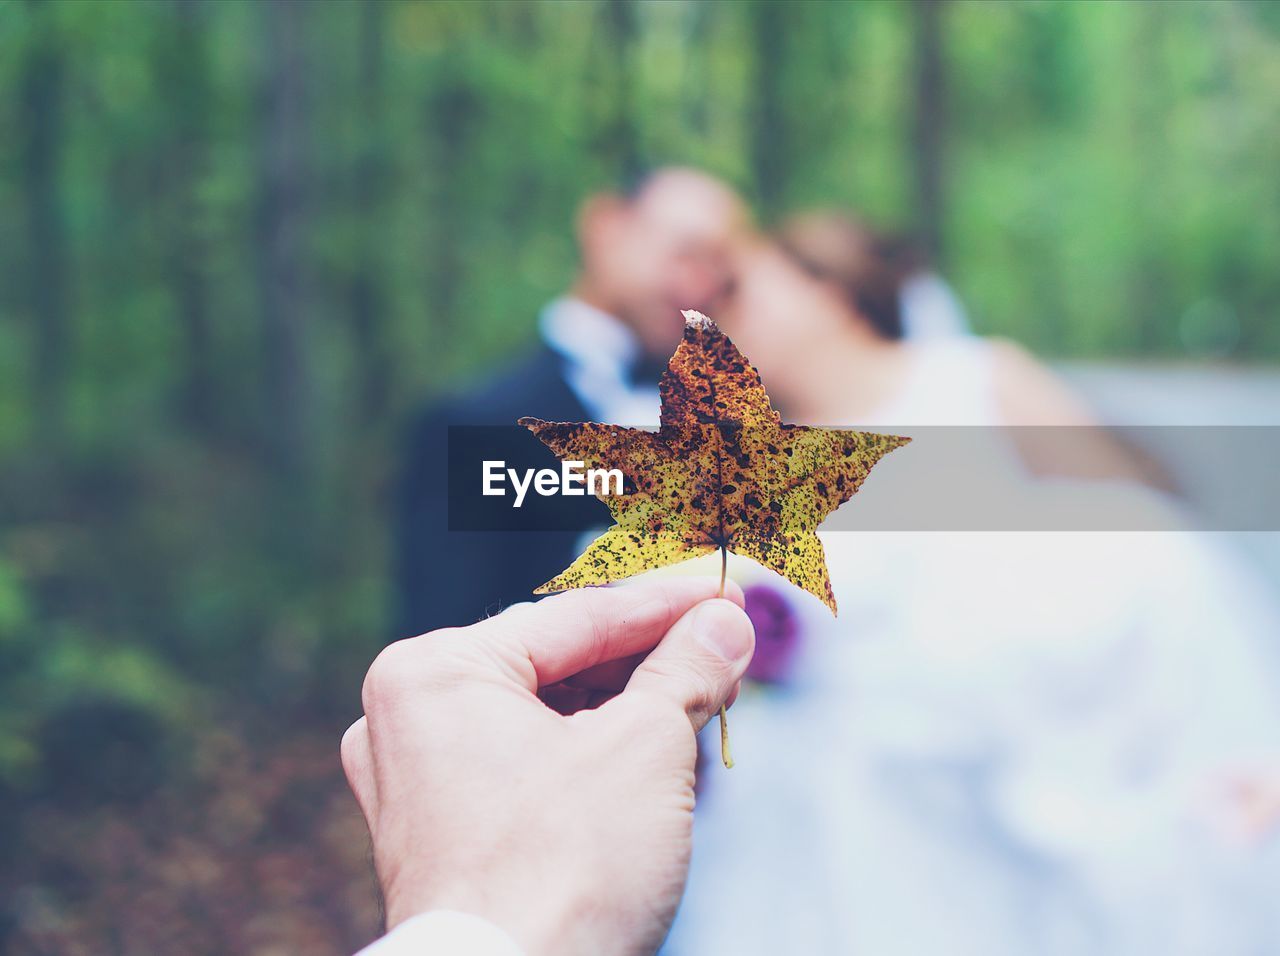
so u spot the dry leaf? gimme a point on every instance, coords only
(722, 471)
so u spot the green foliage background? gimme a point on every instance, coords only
(240, 242)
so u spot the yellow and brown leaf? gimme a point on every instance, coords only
(721, 471)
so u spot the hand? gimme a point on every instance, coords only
(569, 828)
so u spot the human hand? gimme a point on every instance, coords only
(570, 827)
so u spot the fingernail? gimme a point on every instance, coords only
(723, 628)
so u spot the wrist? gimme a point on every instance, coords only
(542, 922)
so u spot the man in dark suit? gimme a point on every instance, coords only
(645, 255)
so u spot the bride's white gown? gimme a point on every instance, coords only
(1007, 743)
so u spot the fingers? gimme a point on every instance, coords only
(699, 662)
(357, 763)
(568, 633)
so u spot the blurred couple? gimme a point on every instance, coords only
(846, 327)
(1007, 742)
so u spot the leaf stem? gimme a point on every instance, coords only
(725, 756)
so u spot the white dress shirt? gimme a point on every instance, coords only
(444, 933)
(599, 351)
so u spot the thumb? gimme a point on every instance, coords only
(699, 661)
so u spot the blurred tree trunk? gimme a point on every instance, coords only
(451, 113)
(1050, 85)
(365, 292)
(279, 242)
(769, 141)
(1150, 302)
(929, 123)
(41, 102)
(618, 138)
(524, 24)
(185, 72)
(697, 80)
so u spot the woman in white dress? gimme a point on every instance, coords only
(1007, 742)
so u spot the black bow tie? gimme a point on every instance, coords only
(647, 370)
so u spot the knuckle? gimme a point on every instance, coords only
(392, 673)
(651, 713)
(353, 742)
(695, 689)
(669, 722)
(661, 725)
(404, 669)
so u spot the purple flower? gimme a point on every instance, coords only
(777, 634)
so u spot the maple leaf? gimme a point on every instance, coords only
(722, 472)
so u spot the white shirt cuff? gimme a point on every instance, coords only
(444, 932)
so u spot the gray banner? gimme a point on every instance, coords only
(1156, 478)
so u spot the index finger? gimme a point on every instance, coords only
(570, 632)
